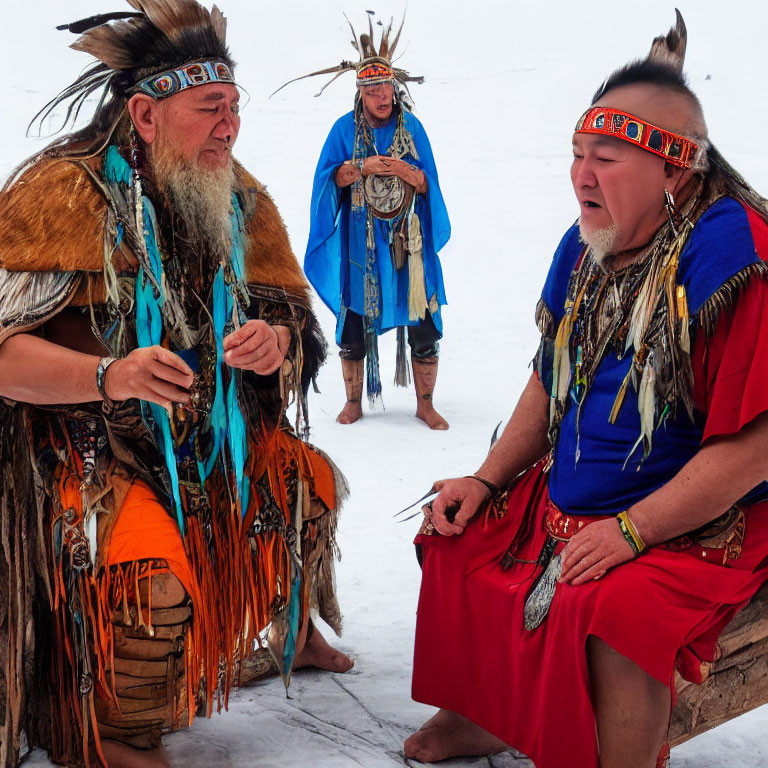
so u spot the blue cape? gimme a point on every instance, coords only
(336, 252)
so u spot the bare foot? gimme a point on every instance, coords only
(448, 734)
(318, 653)
(350, 413)
(427, 413)
(119, 755)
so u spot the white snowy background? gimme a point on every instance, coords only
(506, 82)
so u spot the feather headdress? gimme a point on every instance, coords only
(157, 36)
(374, 64)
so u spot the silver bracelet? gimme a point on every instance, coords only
(101, 375)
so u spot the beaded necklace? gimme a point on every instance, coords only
(640, 307)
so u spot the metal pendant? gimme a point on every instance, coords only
(387, 196)
(538, 602)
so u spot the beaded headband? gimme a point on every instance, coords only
(375, 72)
(165, 84)
(673, 148)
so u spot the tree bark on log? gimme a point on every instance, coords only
(736, 682)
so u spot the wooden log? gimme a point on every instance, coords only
(748, 627)
(738, 679)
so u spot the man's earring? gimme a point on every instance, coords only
(137, 153)
(672, 215)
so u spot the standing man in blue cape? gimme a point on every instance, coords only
(378, 222)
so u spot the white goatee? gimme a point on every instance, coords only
(601, 241)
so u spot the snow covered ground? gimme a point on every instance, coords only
(506, 81)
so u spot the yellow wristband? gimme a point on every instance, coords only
(634, 539)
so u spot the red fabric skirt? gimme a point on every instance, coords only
(531, 689)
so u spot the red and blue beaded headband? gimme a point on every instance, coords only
(375, 72)
(673, 148)
(165, 84)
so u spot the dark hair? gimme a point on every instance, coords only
(89, 139)
(646, 72)
(720, 176)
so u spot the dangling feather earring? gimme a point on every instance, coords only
(137, 153)
(137, 163)
(672, 214)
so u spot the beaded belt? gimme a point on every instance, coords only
(718, 541)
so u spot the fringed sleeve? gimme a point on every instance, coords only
(51, 243)
(551, 306)
(307, 352)
(731, 366)
(31, 298)
(542, 363)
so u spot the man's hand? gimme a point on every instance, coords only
(347, 174)
(379, 165)
(149, 373)
(462, 495)
(593, 550)
(257, 346)
(382, 165)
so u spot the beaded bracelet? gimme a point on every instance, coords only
(628, 530)
(494, 489)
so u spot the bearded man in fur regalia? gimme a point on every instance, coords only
(158, 513)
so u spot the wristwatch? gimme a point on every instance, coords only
(101, 374)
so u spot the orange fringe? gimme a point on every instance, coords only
(236, 583)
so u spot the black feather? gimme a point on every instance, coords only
(78, 27)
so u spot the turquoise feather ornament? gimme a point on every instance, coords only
(225, 421)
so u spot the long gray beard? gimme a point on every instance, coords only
(601, 241)
(201, 198)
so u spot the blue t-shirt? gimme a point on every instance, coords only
(609, 476)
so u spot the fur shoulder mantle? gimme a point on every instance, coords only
(270, 261)
(52, 219)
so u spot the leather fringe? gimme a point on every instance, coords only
(726, 296)
(545, 321)
(19, 564)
